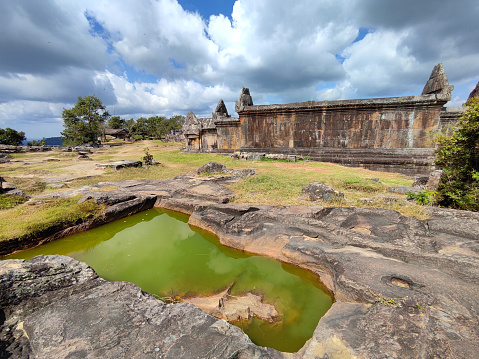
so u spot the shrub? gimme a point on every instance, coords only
(423, 198)
(148, 157)
(458, 156)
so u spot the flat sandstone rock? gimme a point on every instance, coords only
(70, 312)
(120, 164)
(404, 288)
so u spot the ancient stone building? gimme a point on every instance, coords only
(392, 134)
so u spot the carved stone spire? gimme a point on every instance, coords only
(245, 99)
(221, 109)
(191, 124)
(438, 83)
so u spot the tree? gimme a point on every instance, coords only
(84, 121)
(116, 122)
(142, 127)
(458, 156)
(130, 126)
(175, 123)
(11, 137)
(155, 125)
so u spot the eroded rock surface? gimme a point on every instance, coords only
(233, 308)
(56, 307)
(124, 198)
(318, 191)
(211, 167)
(404, 288)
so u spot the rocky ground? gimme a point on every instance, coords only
(404, 288)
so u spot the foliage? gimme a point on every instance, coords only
(11, 137)
(41, 142)
(83, 123)
(156, 127)
(458, 156)
(130, 125)
(422, 198)
(142, 127)
(148, 157)
(174, 123)
(115, 122)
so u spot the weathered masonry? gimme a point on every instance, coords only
(392, 134)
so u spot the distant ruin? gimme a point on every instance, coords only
(388, 134)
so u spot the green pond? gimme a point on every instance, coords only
(161, 253)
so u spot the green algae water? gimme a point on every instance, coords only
(159, 252)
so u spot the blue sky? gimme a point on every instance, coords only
(167, 57)
(208, 7)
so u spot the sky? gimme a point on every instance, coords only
(167, 57)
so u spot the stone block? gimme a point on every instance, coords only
(317, 191)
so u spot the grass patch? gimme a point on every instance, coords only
(408, 209)
(359, 184)
(32, 218)
(28, 185)
(8, 201)
(279, 160)
(265, 189)
(276, 182)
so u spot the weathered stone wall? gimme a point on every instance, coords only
(203, 135)
(449, 116)
(393, 134)
(229, 134)
(401, 122)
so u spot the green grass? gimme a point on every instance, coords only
(8, 201)
(264, 189)
(31, 218)
(276, 181)
(279, 183)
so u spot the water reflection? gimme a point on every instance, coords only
(159, 252)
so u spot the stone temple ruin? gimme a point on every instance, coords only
(387, 134)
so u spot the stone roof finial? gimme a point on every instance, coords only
(438, 83)
(245, 99)
(221, 109)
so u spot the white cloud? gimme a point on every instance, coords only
(165, 97)
(60, 87)
(51, 53)
(154, 36)
(379, 65)
(36, 119)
